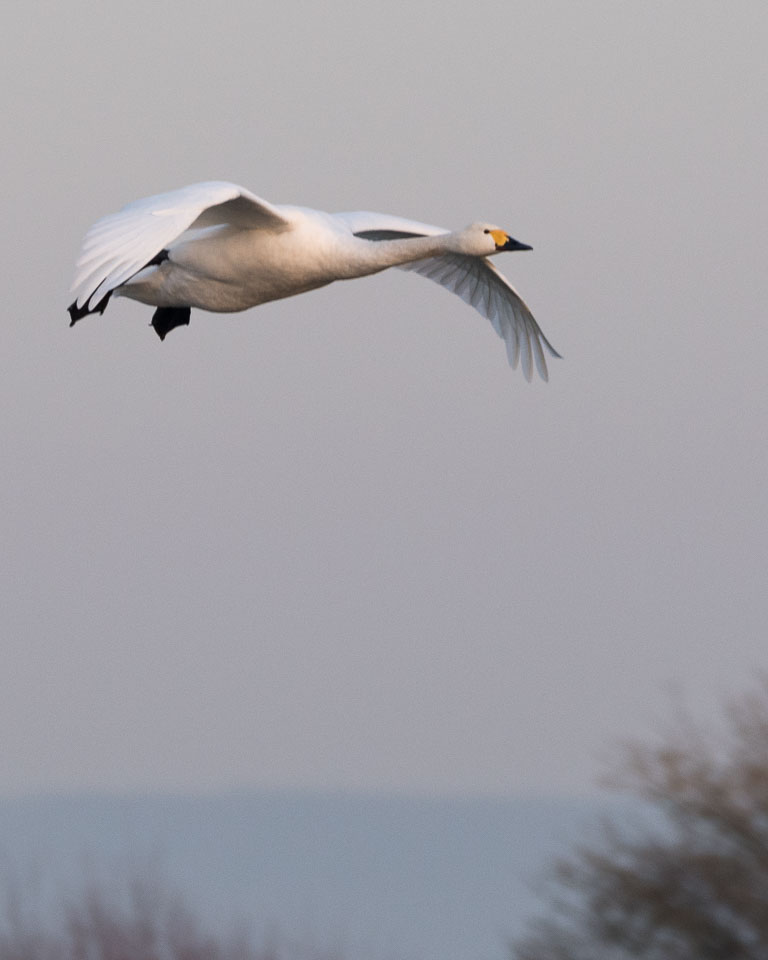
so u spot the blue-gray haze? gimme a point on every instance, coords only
(346, 876)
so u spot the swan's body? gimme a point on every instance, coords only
(218, 247)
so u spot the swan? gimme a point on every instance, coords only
(216, 246)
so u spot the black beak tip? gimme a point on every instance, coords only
(513, 244)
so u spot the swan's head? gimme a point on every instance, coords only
(483, 239)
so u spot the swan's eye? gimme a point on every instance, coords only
(486, 231)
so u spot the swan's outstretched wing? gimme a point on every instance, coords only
(475, 279)
(119, 245)
(363, 223)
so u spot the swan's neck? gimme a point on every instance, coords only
(370, 256)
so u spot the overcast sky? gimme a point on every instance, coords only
(335, 542)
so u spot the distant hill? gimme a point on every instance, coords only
(369, 876)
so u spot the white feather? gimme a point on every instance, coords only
(228, 250)
(119, 245)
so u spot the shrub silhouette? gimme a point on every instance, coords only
(143, 923)
(691, 884)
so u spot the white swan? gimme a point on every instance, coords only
(218, 247)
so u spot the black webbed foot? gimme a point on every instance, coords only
(77, 313)
(166, 318)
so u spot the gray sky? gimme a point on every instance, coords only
(335, 542)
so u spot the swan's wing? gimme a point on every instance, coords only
(366, 224)
(119, 245)
(476, 280)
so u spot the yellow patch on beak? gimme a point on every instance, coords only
(499, 237)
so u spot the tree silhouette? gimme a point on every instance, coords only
(690, 882)
(139, 920)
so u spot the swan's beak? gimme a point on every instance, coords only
(512, 244)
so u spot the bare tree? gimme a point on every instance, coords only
(691, 881)
(140, 921)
